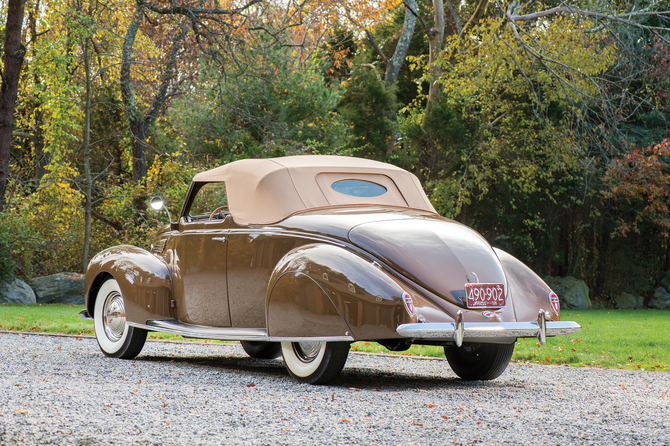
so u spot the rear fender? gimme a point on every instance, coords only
(529, 293)
(314, 285)
(144, 279)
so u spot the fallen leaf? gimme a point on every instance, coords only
(445, 417)
(623, 386)
(538, 344)
(79, 339)
(663, 394)
(355, 389)
(416, 424)
(345, 421)
(21, 411)
(251, 385)
(332, 397)
(432, 405)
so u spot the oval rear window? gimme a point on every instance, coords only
(358, 188)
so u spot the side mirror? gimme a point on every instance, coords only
(157, 204)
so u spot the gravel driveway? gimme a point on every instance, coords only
(62, 390)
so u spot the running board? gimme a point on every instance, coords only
(228, 333)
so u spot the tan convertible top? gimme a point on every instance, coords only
(263, 191)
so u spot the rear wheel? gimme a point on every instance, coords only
(479, 361)
(315, 362)
(115, 337)
(262, 350)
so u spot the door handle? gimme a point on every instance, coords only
(219, 239)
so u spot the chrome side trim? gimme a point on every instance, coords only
(485, 330)
(205, 332)
(228, 333)
(314, 339)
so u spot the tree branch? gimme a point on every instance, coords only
(190, 11)
(374, 45)
(416, 14)
(454, 13)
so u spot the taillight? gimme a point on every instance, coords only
(555, 304)
(409, 305)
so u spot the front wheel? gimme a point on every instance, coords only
(115, 337)
(315, 362)
(479, 361)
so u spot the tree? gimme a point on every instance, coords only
(14, 53)
(176, 22)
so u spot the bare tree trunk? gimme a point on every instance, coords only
(140, 125)
(135, 123)
(41, 158)
(395, 63)
(14, 53)
(88, 186)
(435, 40)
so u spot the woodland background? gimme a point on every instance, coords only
(543, 125)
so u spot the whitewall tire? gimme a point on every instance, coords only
(115, 337)
(315, 362)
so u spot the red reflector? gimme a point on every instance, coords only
(409, 305)
(555, 303)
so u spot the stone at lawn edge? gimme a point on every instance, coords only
(61, 288)
(572, 293)
(661, 300)
(628, 301)
(16, 292)
(665, 281)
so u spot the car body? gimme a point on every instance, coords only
(301, 256)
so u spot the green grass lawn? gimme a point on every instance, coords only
(621, 339)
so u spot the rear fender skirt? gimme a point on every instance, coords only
(143, 278)
(299, 307)
(367, 300)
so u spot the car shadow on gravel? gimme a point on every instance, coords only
(358, 378)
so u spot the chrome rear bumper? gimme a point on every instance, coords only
(460, 331)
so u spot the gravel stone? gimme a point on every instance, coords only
(62, 390)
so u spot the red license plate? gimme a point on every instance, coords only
(484, 295)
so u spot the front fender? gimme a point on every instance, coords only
(315, 284)
(144, 279)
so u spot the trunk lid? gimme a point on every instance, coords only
(438, 254)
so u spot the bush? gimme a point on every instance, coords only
(7, 266)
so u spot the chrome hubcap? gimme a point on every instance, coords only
(307, 351)
(114, 316)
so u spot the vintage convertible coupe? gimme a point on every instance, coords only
(301, 256)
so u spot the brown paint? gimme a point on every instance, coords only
(327, 272)
(144, 280)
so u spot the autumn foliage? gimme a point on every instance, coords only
(641, 180)
(542, 126)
